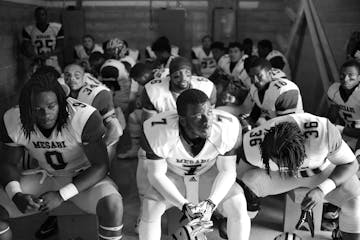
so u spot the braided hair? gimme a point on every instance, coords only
(45, 79)
(285, 142)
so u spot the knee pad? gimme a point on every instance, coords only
(349, 217)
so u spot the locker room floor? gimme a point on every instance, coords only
(265, 226)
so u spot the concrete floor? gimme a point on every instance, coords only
(266, 225)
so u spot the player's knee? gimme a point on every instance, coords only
(110, 207)
(235, 207)
(349, 218)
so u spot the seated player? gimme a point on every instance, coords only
(344, 97)
(275, 57)
(304, 150)
(65, 136)
(272, 93)
(89, 90)
(83, 51)
(202, 58)
(191, 165)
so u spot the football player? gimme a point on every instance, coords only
(160, 95)
(303, 150)
(203, 59)
(275, 57)
(190, 163)
(272, 93)
(89, 90)
(43, 41)
(83, 51)
(65, 136)
(344, 97)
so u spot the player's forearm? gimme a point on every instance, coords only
(8, 173)
(90, 177)
(113, 131)
(225, 178)
(344, 172)
(159, 180)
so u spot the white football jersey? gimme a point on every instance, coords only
(276, 88)
(82, 54)
(276, 53)
(238, 72)
(317, 144)
(207, 62)
(61, 154)
(44, 42)
(91, 89)
(162, 133)
(174, 51)
(158, 91)
(349, 110)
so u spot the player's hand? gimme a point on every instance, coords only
(26, 202)
(50, 201)
(313, 197)
(207, 208)
(191, 211)
(200, 227)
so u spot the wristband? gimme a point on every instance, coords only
(13, 188)
(327, 186)
(68, 191)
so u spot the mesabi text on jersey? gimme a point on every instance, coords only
(50, 144)
(188, 161)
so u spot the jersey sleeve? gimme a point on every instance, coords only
(4, 136)
(287, 102)
(103, 102)
(25, 35)
(144, 143)
(93, 129)
(145, 101)
(339, 151)
(213, 96)
(60, 34)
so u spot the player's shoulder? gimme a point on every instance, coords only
(12, 119)
(202, 83)
(225, 130)
(55, 25)
(162, 131)
(333, 89)
(158, 83)
(79, 112)
(29, 28)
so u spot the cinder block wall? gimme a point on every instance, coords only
(133, 25)
(12, 18)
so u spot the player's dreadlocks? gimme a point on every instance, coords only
(285, 142)
(45, 79)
